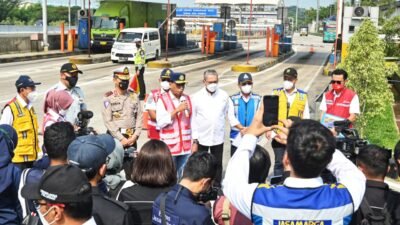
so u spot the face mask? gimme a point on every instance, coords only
(287, 85)
(72, 80)
(123, 84)
(337, 87)
(212, 87)
(42, 219)
(137, 45)
(165, 85)
(246, 89)
(33, 96)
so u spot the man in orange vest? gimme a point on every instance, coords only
(20, 114)
(174, 114)
(340, 101)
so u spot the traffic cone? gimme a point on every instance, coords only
(312, 49)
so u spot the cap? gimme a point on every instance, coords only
(166, 73)
(90, 152)
(136, 40)
(116, 158)
(290, 72)
(122, 73)
(178, 78)
(70, 68)
(60, 184)
(25, 81)
(243, 77)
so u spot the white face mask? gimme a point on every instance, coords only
(165, 85)
(42, 219)
(287, 85)
(212, 87)
(246, 89)
(33, 96)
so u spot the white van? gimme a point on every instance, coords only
(124, 49)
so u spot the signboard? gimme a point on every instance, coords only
(197, 12)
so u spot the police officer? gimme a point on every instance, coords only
(122, 114)
(153, 132)
(90, 154)
(140, 61)
(68, 80)
(244, 105)
(292, 103)
(20, 114)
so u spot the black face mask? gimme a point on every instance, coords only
(137, 45)
(123, 84)
(210, 194)
(72, 80)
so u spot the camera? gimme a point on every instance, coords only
(348, 140)
(83, 119)
(211, 194)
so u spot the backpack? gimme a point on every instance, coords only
(375, 215)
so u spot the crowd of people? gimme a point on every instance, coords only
(177, 177)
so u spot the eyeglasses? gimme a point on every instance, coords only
(336, 81)
(246, 83)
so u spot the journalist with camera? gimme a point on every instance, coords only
(183, 203)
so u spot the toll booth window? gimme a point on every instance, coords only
(128, 36)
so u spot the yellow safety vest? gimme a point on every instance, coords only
(297, 107)
(26, 125)
(140, 57)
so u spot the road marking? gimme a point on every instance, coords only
(315, 76)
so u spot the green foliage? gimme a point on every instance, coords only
(367, 74)
(6, 6)
(391, 29)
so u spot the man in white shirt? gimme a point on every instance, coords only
(174, 115)
(68, 80)
(210, 109)
(303, 199)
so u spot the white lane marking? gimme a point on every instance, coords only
(314, 77)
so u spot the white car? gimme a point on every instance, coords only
(124, 48)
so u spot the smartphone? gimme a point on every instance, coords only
(271, 110)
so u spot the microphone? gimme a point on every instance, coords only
(183, 99)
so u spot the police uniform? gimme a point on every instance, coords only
(109, 211)
(122, 114)
(22, 117)
(181, 207)
(140, 61)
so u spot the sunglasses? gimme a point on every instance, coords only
(246, 83)
(336, 82)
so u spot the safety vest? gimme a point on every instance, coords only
(244, 111)
(341, 105)
(296, 109)
(26, 125)
(152, 131)
(329, 204)
(140, 57)
(178, 134)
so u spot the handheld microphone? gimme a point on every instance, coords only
(183, 99)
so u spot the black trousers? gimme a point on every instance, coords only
(279, 151)
(142, 85)
(217, 151)
(233, 149)
(24, 165)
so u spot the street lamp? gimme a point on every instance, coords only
(282, 6)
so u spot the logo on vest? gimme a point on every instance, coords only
(302, 222)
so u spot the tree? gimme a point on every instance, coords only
(6, 6)
(367, 74)
(391, 29)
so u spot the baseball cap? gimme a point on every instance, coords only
(178, 78)
(70, 68)
(122, 73)
(60, 184)
(166, 73)
(25, 81)
(243, 77)
(90, 152)
(290, 72)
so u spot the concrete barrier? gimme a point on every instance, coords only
(23, 43)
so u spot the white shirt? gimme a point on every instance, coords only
(354, 104)
(237, 189)
(7, 116)
(290, 98)
(91, 221)
(150, 103)
(163, 117)
(76, 106)
(209, 115)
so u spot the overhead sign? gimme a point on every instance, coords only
(196, 12)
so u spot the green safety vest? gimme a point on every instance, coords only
(140, 57)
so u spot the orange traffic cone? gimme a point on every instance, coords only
(312, 49)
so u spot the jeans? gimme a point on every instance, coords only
(217, 151)
(180, 161)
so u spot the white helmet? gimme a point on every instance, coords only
(136, 40)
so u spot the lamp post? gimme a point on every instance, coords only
(248, 41)
(282, 6)
(44, 14)
(297, 14)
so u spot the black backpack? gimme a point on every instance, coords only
(375, 216)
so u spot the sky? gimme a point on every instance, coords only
(190, 3)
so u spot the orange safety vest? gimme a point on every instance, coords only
(178, 135)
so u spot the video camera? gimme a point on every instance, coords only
(83, 120)
(348, 140)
